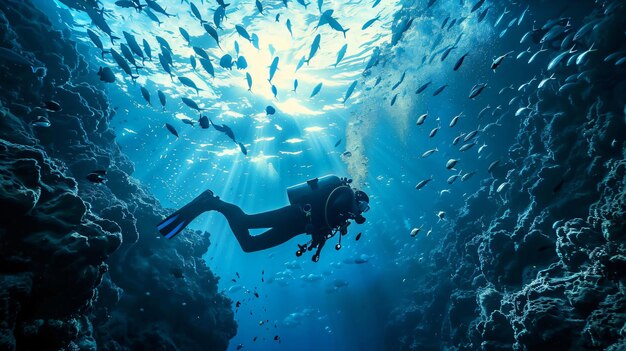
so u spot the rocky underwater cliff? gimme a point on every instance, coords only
(81, 266)
(536, 259)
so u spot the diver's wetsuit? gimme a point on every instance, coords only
(289, 221)
(317, 207)
(285, 223)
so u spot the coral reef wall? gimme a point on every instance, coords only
(81, 266)
(539, 264)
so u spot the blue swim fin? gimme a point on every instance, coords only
(173, 225)
(179, 220)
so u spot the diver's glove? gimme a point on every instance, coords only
(359, 219)
(318, 241)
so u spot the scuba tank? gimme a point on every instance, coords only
(313, 196)
(313, 191)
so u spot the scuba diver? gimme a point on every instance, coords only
(320, 207)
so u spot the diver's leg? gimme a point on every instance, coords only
(266, 240)
(179, 220)
(285, 222)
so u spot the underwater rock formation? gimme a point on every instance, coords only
(82, 266)
(540, 264)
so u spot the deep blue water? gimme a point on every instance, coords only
(335, 304)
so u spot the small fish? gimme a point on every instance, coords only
(152, 4)
(270, 110)
(534, 56)
(506, 11)
(218, 16)
(521, 17)
(226, 62)
(451, 163)
(255, 41)
(289, 27)
(582, 57)
(241, 62)
(188, 121)
(399, 82)
(458, 63)
(393, 100)
(458, 138)
(341, 53)
(52, 106)
(300, 63)
(41, 122)
(145, 94)
(171, 129)
(467, 176)
(161, 96)
(204, 122)
(416, 231)
(483, 111)
(358, 236)
(243, 149)
(316, 90)
(196, 12)
(96, 40)
(243, 32)
(429, 152)
(522, 53)
(466, 147)
(349, 91)
(477, 5)
(314, 47)
(453, 178)
(189, 83)
(455, 120)
(501, 187)
(441, 215)
(447, 53)
(147, 49)
(192, 104)
(498, 61)
(369, 23)
(493, 165)
(97, 177)
(433, 132)
(273, 68)
(224, 129)
(445, 21)
(440, 90)
(274, 91)
(213, 33)
(421, 119)
(544, 81)
(259, 6)
(295, 85)
(423, 183)
(338, 143)
(483, 14)
(208, 66)
(422, 88)
(469, 136)
(106, 75)
(476, 90)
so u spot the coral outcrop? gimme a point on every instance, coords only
(81, 266)
(539, 262)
